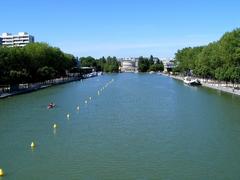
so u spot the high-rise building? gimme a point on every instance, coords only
(19, 40)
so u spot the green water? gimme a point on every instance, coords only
(140, 127)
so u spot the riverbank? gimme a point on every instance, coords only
(38, 86)
(228, 88)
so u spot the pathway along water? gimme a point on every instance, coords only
(139, 127)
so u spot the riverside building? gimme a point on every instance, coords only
(128, 64)
(168, 65)
(19, 40)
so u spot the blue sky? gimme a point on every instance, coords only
(121, 27)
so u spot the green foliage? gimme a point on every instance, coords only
(88, 62)
(46, 73)
(158, 66)
(100, 64)
(186, 57)
(111, 65)
(218, 60)
(151, 62)
(143, 64)
(147, 64)
(29, 63)
(107, 65)
(18, 76)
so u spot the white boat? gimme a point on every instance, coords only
(151, 72)
(190, 81)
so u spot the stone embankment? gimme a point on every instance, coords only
(221, 86)
(26, 88)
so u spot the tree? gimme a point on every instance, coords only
(186, 58)
(46, 73)
(28, 64)
(143, 64)
(18, 76)
(155, 68)
(88, 62)
(111, 65)
(107, 65)
(158, 66)
(219, 60)
(151, 61)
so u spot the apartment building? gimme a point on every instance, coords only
(19, 40)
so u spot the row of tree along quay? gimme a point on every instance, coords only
(34, 63)
(219, 61)
(39, 64)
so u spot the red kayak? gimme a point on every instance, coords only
(51, 106)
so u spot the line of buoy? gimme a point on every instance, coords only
(33, 145)
(104, 87)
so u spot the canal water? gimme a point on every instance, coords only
(140, 127)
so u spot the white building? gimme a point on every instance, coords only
(19, 40)
(168, 65)
(128, 64)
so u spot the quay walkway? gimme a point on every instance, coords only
(42, 85)
(220, 86)
(37, 86)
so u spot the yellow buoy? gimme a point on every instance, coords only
(54, 126)
(33, 145)
(1, 172)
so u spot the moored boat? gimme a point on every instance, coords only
(191, 81)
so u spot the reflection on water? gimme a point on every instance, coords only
(54, 131)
